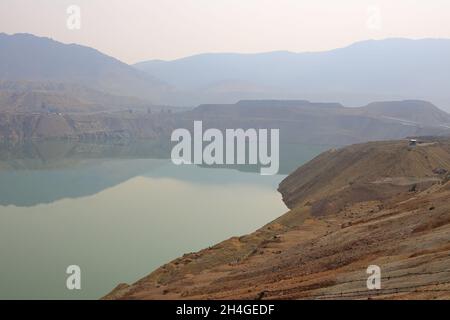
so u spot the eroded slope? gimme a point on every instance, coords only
(377, 203)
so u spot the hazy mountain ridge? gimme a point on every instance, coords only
(373, 70)
(391, 69)
(25, 57)
(44, 76)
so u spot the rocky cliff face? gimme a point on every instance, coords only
(381, 203)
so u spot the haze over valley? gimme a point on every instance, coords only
(368, 71)
(92, 110)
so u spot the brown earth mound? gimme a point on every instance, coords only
(382, 203)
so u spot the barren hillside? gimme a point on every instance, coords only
(380, 203)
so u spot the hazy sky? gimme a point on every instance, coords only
(136, 30)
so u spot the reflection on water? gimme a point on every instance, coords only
(117, 211)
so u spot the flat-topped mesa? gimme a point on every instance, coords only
(362, 172)
(288, 103)
(268, 105)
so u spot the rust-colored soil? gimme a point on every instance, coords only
(380, 203)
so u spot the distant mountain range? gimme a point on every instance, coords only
(392, 69)
(38, 72)
(25, 57)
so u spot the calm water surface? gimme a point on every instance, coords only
(117, 211)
